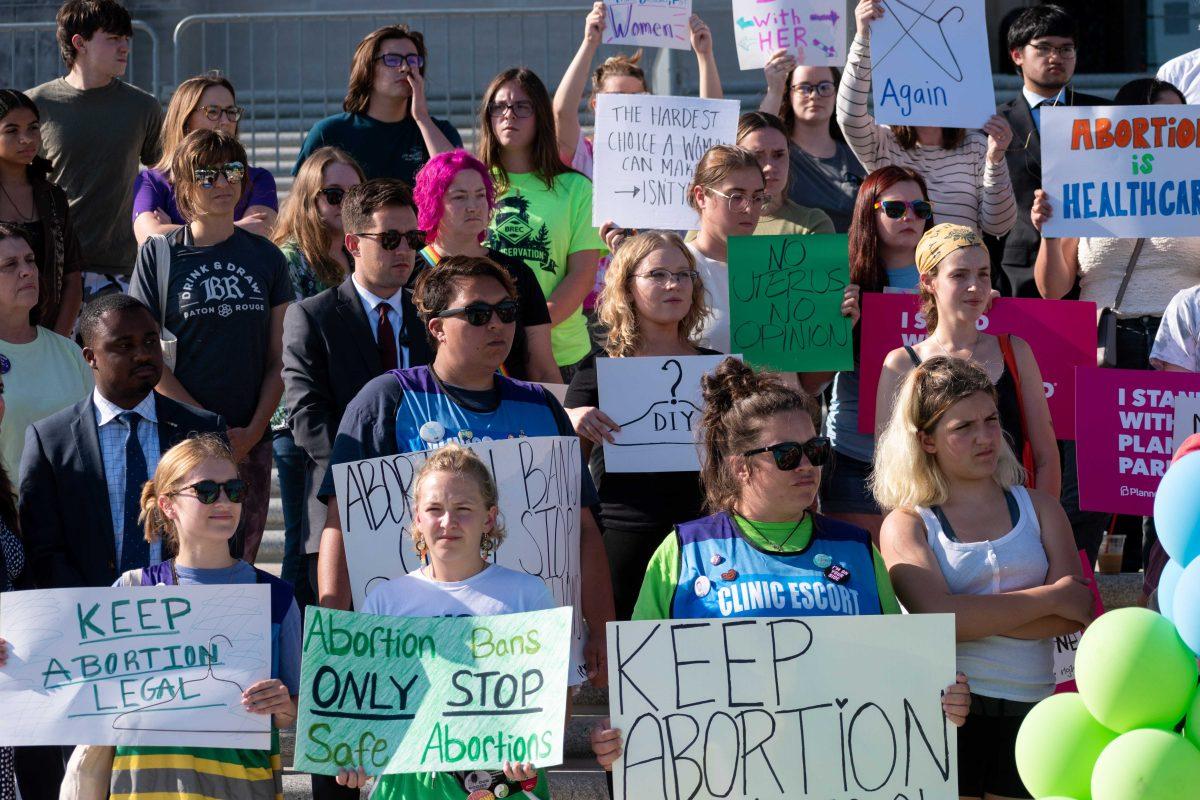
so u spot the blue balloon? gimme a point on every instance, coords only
(1167, 584)
(1177, 509)
(1186, 606)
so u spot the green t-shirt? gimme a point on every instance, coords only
(662, 574)
(543, 227)
(794, 219)
(442, 786)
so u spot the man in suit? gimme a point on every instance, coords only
(83, 468)
(1042, 44)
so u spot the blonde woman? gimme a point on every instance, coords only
(206, 102)
(964, 536)
(652, 305)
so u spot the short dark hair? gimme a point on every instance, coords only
(1144, 91)
(202, 148)
(435, 285)
(89, 319)
(85, 17)
(366, 198)
(1038, 21)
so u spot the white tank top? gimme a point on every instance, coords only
(999, 666)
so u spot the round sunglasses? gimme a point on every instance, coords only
(480, 314)
(208, 492)
(895, 209)
(787, 454)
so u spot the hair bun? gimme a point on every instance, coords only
(732, 380)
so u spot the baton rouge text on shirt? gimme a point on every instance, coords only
(222, 289)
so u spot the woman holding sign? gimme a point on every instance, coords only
(956, 291)
(965, 537)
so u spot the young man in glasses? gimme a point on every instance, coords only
(386, 126)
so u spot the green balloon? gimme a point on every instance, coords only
(1058, 745)
(1191, 728)
(1133, 671)
(1147, 764)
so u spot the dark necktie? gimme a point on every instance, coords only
(135, 550)
(386, 338)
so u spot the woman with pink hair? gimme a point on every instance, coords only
(455, 200)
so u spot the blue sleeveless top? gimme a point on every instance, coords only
(723, 574)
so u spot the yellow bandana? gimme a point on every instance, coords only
(942, 240)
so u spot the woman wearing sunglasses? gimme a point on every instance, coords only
(544, 208)
(966, 170)
(203, 103)
(220, 293)
(196, 499)
(964, 537)
(761, 463)
(956, 290)
(455, 200)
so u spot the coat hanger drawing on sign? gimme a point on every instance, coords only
(674, 404)
(945, 59)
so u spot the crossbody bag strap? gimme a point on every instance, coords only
(162, 255)
(1137, 251)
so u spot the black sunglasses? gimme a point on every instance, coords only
(787, 454)
(207, 492)
(479, 314)
(894, 209)
(390, 239)
(332, 194)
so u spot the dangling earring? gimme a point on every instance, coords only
(486, 545)
(421, 548)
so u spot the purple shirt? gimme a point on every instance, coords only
(152, 190)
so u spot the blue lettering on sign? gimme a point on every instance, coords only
(1131, 199)
(907, 96)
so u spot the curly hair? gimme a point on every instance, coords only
(433, 181)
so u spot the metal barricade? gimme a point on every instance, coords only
(33, 56)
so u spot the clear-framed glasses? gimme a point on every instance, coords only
(393, 60)
(1066, 52)
(741, 202)
(215, 112)
(664, 277)
(206, 176)
(822, 89)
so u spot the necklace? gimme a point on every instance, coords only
(778, 547)
(947, 353)
(24, 217)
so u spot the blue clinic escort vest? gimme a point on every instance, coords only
(427, 418)
(722, 574)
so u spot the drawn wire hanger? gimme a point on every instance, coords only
(674, 401)
(938, 23)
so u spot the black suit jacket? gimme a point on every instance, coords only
(329, 354)
(1013, 256)
(65, 516)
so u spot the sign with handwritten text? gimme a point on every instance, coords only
(135, 665)
(1121, 171)
(785, 301)
(431, 694)
(539, 482)
(646, 148)
(931, 64)
(648, 23)
(1187, 419)
(812, 31)
(830, 707)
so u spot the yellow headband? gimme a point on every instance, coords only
(942, 240)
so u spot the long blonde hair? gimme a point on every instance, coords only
(185, 101)
(299, 220)
(905, 475)
(173, 468)
(617, 309)
(458, 460)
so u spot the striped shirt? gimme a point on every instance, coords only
(964, 186)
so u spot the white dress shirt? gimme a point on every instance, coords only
(395, 313)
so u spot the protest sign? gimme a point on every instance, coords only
(539, 483)
(135, 666)
(812, 31)
(1121, 171)
(931, 64)
(785, 301)
(648, 23)
(431, 694)
(827, 707)
(646, 148)
(1129, 417)
(1061, 333)
(1187, 419)
(656, 401)
(1066, 646)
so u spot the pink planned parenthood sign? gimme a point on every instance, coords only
(1125, 420)
(1061, 333)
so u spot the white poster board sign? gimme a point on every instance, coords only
(648, 23)
(821, 707)
(656, 400)
(931, 65)
(1121, 171)
(646, 148)
(1187, 418)
(135, 666)
(539, 481)
(812, 31)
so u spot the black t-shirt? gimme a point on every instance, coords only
(219, 302)
(649, 502)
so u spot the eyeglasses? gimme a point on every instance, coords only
(522, 109)
(787, 454)
(740, 201)
(664, 277)
(895, 209)
(332, 194)
(232, 113)
(208, 492)
(480, 314)
(234, 172)
(394, 60)
(822, 89)
(1066, 52)
(390, 239)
